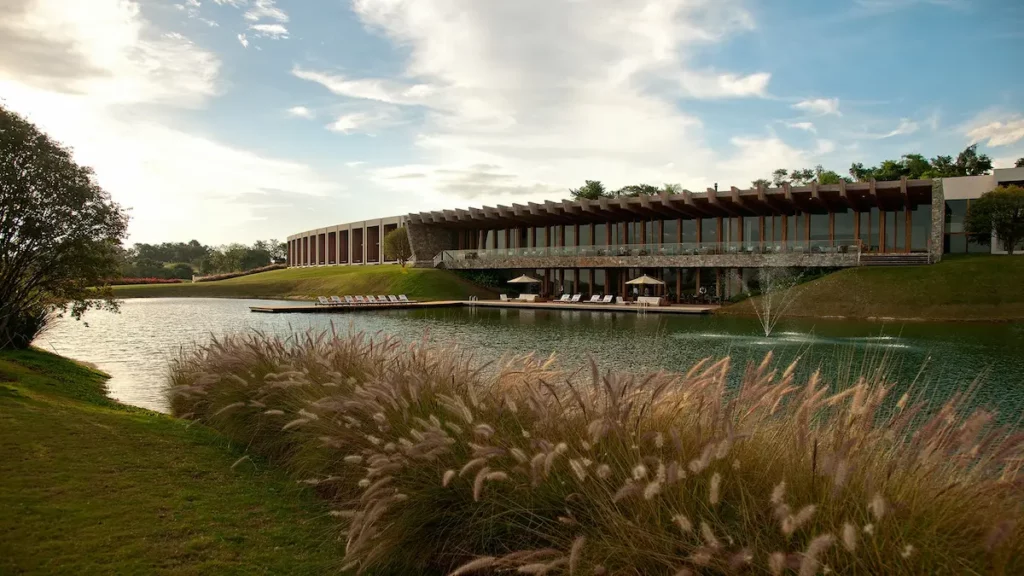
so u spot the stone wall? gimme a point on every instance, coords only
(835, 260)
(938, 220)
(429, 241)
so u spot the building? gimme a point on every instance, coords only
(710, 241)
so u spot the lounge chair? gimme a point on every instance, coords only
(360, 300)
(608, 299)
(503, 297)
(335, 301)
(576, 298)
(383, 300)
(403, 299)
(371, 300)
(595, 299)
(393, 299)
(322, 301)
(350, 301)
(564, 298)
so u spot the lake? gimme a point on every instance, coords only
(134, 347)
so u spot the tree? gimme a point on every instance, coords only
(1019, 163)
(1000, 211)
(634, 190)
(396, 245)
(780, 177)
(761, 183)
(970, 163)
(672, 189)
(60, 233)
(591, 190)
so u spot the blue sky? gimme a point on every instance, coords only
(232, 120)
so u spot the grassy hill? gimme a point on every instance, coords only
(969, 287)
(89, 486)
(308, 283)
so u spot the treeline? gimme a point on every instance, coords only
(913, 166)
(185, 259)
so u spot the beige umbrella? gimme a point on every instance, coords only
(645, 280)
(524, 279)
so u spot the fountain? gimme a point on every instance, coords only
(778, 290)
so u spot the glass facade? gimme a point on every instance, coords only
(819, 227)
(843, 226)
(670, 231)
(600, 234)
(709, 229)
(956, 241)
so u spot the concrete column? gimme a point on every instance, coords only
(938, 220)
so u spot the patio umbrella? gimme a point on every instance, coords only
(645, 280)
(524, 279)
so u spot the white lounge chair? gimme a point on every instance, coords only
(595, 299)
(350, 301)
(371, 300)
(576, 298)
(564, 298)
(503, 297)
(360, 300)
(335, 301)
(393, 299)
(402, 298)
(608, 299)
(383, 300)
(322, 301)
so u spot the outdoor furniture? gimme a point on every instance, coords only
(371, 300)
(503, 297)
(528, 297)
(335, 301)
(360, 300)
(564, 298)
(393, 299)
(321, 301)
(576, 298)
(595, 299)
(350, 301)
(402, 298)
(649, 300)
(383, 300)
(608, 299)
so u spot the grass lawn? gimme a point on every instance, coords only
(968, 287)
(88, 486)
(308, 283)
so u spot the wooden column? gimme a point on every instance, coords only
(908, 223)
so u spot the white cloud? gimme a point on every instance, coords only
(806, 126)
(355, 163)
(265, 9)
(300, 112)
(243, 40)
(542, 105)
(102, 80)
(819, 106)
(275, 31)
(1003, 132)
(905, 127)
(361, 122)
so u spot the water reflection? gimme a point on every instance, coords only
(135, 346)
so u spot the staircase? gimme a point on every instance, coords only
(895, 259)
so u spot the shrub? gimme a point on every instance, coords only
(227, 275)
(433, 463)
(25, 325)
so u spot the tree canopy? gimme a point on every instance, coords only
(184, 259)
(396, 245)
(915, 166)
(1019, 163)
(59, 233)
(1000, 211)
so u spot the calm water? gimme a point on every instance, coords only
(135, 345)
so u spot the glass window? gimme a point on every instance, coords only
(900, 239)
(569, 283)
(490, 240)
(598, 282)
(542, 236)
(501, 238)
(732, 230)
(688, 281)
(819, 227)
(651, 235)
(689, 231)
(873, 238)
(668, 276)
(586, 235)
(920, 227)
(569, 235)
(708, 230)
(670, 231)
(843, 227)
(751, 229)
(955, 212)
(774, 224)
(600, 234)
(797, 227)
(957, 243)
(890, 230)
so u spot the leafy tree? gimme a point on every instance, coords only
(672, 188)
(396, 245)
(780, 177)
(634, 190)
(914, 166)
(59, 233)
(591, 190)
(802, 177)
(970, 163)
(1019, 163)
(761, 182)
(1000, 211)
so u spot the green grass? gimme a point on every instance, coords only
(308, 283)
(88, 486)
(969, 287)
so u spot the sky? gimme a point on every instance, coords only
(236, 120)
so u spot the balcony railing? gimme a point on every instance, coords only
(851, 247)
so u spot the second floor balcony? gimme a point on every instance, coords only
(810, 253)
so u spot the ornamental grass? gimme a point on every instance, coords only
(434, 463)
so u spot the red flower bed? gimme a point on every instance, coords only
(135, 281)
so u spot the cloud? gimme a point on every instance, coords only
(355, 163)
(300, 112)
(265, 9)
(103, 80)
(275, 31)
(819, 106)
(243, 40)
(905, 127)
(509, 85)
(361, 122)
(806, 126)
(998, 132)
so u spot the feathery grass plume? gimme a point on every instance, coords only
(389, 423)
(239, 461)
(811, 560)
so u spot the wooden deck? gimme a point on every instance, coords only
(627, 308)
